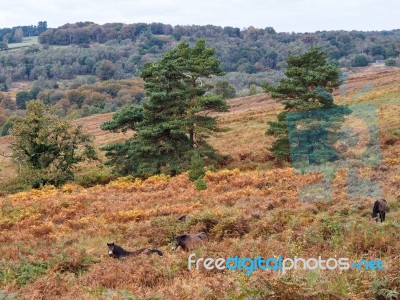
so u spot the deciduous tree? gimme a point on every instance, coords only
(46, 148)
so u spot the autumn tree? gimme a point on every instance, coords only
(45, 148)
(106, 70)
(18, 35)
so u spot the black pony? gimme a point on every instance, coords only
(119, 252)
(380, 207)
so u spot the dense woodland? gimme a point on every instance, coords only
(129, 46)
(62, 68)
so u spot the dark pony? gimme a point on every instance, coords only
(118, 252)
(190, 241)
(380, 207)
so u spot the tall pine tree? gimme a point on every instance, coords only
(173, 119)
(309, 81)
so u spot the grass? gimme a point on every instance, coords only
(65, 232)
(26, 42)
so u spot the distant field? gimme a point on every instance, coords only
(26, 42)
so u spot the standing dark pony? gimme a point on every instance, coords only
(190, 241)
(380, 207)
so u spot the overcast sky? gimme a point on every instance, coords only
(283, 15)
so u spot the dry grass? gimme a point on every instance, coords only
(245, 213)
(53, 241)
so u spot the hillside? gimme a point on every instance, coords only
(53, 241)
(245, 123)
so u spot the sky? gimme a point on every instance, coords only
(283, 15)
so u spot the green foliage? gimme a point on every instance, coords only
(391, 62)
(21, 98)
(170, 122)
(13, 186)
(126, 119)
(247, 50)
(77, 264)
(381, 290)
(224, 89)
(252, 89)
(309, 80)
(76, 98)
(11, 296)
(45, 148)
(94, 177)
(3, 45)
(360, 60)
(23, 273)
(196, 167)
(200, 184)
(330, 228)
(18, 35)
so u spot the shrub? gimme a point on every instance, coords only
(94, 177)
(200, 184)
(196, 167)
(231, 227)
(391, 62)
(360, 61)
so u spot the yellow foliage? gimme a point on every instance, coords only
(43, 229)
(124, 183)
(392, 161)
(221, 175)
(47, 190)
(157, 179)
(70, 187)
(130, 215)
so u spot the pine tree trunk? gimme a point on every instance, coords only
(191, 137)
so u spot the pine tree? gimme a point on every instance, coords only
(309, 82)
(172, 120)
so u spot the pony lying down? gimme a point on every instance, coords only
(118, 252)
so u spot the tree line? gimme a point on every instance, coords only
(249, 49)
(16, 33)
(128, 47)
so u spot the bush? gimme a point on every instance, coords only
(231, 227)
(196, 168)
(360, 61)
(391, 62)
(106, 70)
(200, 184)
(21, 99)
(94, 177)
(224, 89)
(4, 296)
